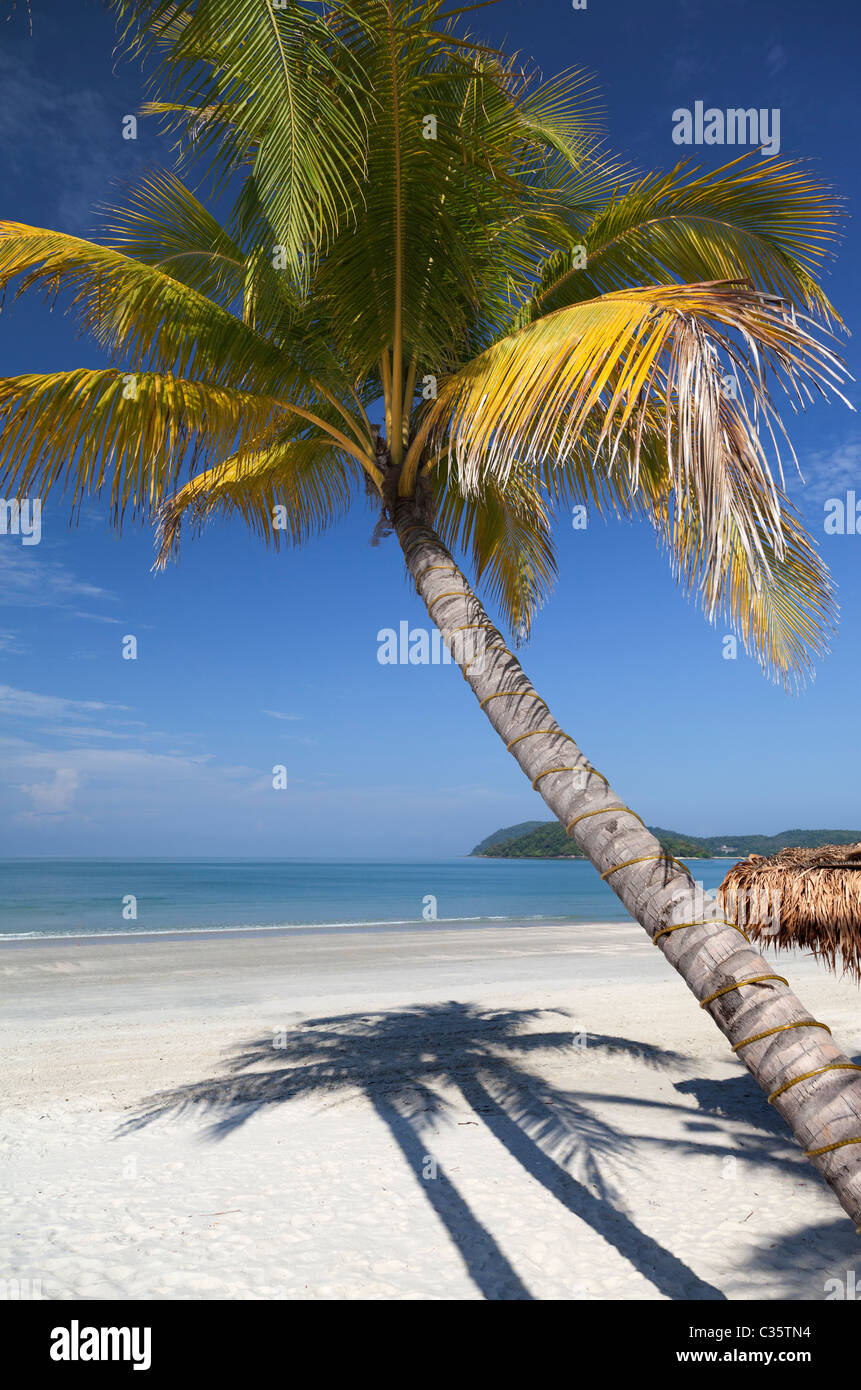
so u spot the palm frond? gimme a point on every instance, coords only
(507, 534)
(271, 87)
(782, 607)
(85, 431)
(606, 367)
(460, 226)
(142, 315)
(312, 482)
(767, 220)
(161, 223)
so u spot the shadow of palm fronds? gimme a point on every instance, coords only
(410, 1064)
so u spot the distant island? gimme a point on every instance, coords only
(546, 839)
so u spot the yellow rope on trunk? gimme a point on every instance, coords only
(525, 694)
(601, 811)
(827, 1149)
(533, 733)
(817, 1071)
(728, 989)
(769, 1032)
(704, 922)
(667, 859)
(453, 569)
(450, 593)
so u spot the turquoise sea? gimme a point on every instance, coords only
(78, 897)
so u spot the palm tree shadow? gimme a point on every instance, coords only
(739, 1099)
(406, 1062)
(735, 1098)
(819, 1254)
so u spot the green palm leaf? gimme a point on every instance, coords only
(271, 86)
(769, 221)
(140, 314)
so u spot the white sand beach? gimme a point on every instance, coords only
(421, 1113)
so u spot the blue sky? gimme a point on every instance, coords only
(247, 659)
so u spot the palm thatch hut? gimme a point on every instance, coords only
(807, 898)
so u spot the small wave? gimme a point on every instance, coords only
(266, 926)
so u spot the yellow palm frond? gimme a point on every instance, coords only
(306, 476)
(507, 534)
(86, 430)
(607, 367)
(589, 475)
(782, 606)
(142, 315)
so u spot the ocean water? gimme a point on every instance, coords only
(79, 897)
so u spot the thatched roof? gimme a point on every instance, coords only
(807, 898)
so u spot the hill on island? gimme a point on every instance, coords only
(547, 840)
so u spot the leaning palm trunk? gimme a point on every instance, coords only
(810, 1081)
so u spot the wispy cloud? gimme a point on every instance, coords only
(775, 59)
(829, 472)
(68, 134)
(98, 784)
(95, 617)
(28, 704)
(74, 725)
(689, 57)
(277, 714)
(29, 579)
(86, 733)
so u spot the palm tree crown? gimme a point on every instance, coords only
(412, 218)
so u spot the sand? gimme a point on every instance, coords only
(421, 1113)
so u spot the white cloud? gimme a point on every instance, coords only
(100, 785)
(829, 472)
(29, 580)
(276, 714)
(86, 731)
(28, 704)
(55, 796)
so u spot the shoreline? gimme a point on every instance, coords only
(312, 928)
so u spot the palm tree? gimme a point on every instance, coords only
(406, 213)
